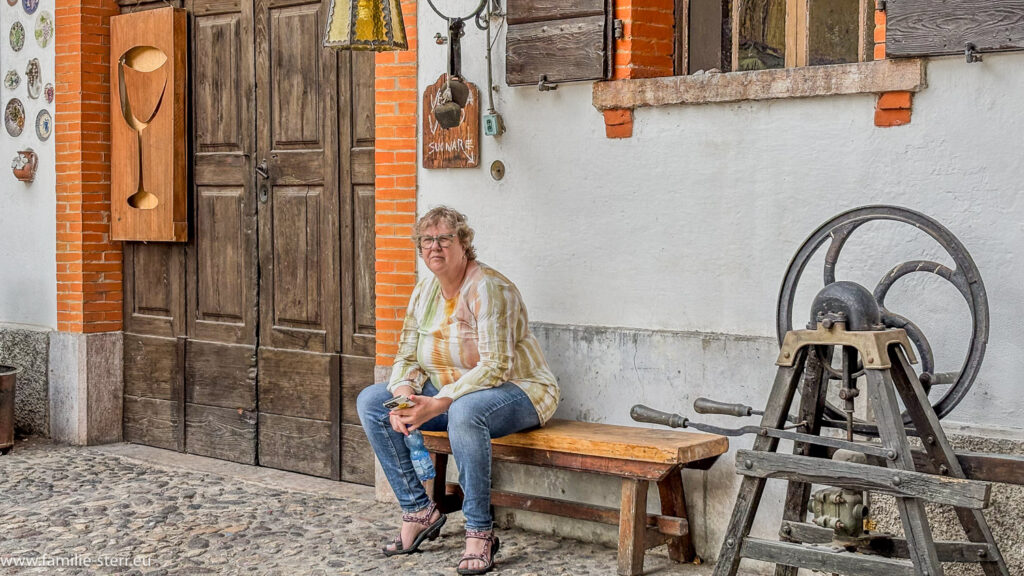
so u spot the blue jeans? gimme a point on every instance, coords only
(471, 422)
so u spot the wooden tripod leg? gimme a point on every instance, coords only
(813, 386)
(673, 503)
(894, 437)
(939, 450)
(751, 489)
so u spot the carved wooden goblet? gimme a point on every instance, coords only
(142, 82)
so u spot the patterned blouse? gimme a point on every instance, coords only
(479, 339)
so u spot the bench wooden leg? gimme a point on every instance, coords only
(673, 503)
(632, 527)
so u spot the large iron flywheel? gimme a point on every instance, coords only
(964, 277)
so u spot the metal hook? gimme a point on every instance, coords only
(971, 54)
(544, 85)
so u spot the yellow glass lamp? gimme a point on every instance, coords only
(366, 25)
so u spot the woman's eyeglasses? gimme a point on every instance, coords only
(443, 240)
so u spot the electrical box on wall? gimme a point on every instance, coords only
(493, 125)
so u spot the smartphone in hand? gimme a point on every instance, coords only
(399, 403)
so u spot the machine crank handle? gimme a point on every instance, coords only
(709, 406)
(641, 413)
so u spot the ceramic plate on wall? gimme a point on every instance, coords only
(17, 36)
(14, 117)
(44, 28)
(12, 2)
(34, 78)
(48, 93)
(30, 6)
(12, 80)
(44, 125)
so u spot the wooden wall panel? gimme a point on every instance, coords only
(148, 68)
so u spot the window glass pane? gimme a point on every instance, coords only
(833, 31)
(710, 35)
(762, 34)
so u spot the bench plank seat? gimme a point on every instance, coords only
(636, 455)
(619, 442)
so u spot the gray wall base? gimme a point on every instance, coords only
(26, 348)
(86, 387)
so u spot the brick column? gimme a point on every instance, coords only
(85, 383)
(396, 96)
(644, 51)
(88, 263)
(893, 108)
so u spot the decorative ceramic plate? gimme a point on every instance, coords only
(12, 80)
(48, 93)
(30, 6)
(14, 117)
(17, 36)
(34, 78)
(44, 124)
(44, 28)
(12, 2)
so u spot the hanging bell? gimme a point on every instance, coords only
(365, 25)
(448, 111)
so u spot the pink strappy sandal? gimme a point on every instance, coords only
(432, 531)
(493, 545)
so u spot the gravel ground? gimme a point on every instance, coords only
(147, 511)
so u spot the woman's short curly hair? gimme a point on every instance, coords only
(454, 220)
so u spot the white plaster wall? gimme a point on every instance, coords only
(28, 269)
(689, 225)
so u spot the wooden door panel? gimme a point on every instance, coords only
(223, 299)
(296, 243)
(356, 129)
(223, 433)
(299, 298)
(356, 455)
(220, 257)
(221, 125)
(296, 383)
(220, 375)
(297, 444)
(295, 69)
(154, 294)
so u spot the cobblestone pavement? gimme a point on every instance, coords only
(181, 514)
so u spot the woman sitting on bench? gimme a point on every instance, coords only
(471, 366)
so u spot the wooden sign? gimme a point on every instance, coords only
(457, 147)
(148, 185)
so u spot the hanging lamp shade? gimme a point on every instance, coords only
(365, 25)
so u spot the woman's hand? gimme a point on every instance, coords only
(426, 408)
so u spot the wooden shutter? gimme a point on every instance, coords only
(939, 27)
(563, 40)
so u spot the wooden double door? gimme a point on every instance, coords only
(251, 342)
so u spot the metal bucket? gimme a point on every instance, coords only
(8, 376)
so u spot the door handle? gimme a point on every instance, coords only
(262, 170)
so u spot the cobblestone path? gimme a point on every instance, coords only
(97, 504)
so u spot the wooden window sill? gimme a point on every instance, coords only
(809, 81)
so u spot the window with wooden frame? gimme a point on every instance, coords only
(741, 35)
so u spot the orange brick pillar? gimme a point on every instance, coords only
(644, 51)
(893, 108)
(84, 384)
(396, 96)
(88, 262)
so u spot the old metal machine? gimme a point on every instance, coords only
(854, 341)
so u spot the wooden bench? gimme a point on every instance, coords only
(637, 455)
